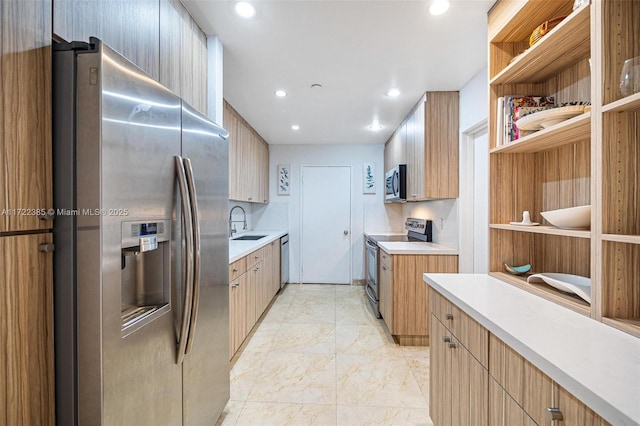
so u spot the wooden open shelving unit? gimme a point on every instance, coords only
(593, 158)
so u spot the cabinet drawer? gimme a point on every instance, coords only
(255, 257)
(386, 260)
(470, 333)
(237, 268)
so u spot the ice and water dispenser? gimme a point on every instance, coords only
(146, 282)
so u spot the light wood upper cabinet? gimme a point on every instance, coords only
(591, 159)
(160, 37)
(248, 160)
(26, 357)
(427, 142)
(25, 115)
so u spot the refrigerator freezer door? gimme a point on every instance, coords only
(206, 366)
(128, 134)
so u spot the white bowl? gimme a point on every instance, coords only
(571, 218)
(575, 284)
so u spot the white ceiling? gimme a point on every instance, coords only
(357, 50)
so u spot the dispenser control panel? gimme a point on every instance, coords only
(135, 232)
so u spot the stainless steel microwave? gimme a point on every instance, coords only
(396, 183)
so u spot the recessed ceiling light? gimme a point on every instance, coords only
(375, 126)
(281, 93)
(438, 7)
(245, 9)
(393, 93)
(295, 127)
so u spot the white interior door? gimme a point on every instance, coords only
(326, 224)
(480, 203)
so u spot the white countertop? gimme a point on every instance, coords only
(415, 247)
(239, 249)
(598, 364)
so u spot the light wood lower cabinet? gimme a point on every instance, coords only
(237, 312)
(458, 386)
(253, 282)
(504, 388)
(26, 335)
(404, 298)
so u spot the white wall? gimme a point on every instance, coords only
(474, 104)
(443, 213)
(368, 210)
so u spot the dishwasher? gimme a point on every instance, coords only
(284, 260)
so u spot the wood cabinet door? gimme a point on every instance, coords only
(440, 370)
(237, 313)
(25, 114)
(441, 145)
(469, 387)
(275, 268)
(263, 173)
(385, 305)
(416, 190)
(26, 357)
(574, 412)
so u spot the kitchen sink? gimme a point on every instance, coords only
(248, 238)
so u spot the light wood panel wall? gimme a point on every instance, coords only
(26, 335)
(545, 253)
(25, 114)
(621, 166)
(621, 275)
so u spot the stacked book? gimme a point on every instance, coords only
(511, 108)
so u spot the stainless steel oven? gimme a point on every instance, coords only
(419, 230)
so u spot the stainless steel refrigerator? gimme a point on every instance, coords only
(141, 258)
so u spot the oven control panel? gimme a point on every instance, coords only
(416, 225)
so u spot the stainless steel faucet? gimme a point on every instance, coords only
(232, 227)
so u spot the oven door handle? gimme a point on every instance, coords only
(371, 297)
(371, 245)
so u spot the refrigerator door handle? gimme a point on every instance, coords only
(196, 245)
(188, 289)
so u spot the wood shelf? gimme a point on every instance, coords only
(570, 131)
(540, 289)
(630, 103)
(628, 325)
(627, 239)
(562, 47)
(542, 229)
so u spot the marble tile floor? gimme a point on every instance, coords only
(320, 357)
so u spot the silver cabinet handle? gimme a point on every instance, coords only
(553, 413)
(446, 339)
(345, 232)
(46, 248)
(451, 345)
(384, 268)
(188, 282)
(448, 316)
(235, 269)
(196, 249)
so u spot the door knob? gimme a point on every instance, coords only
(346, 232)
